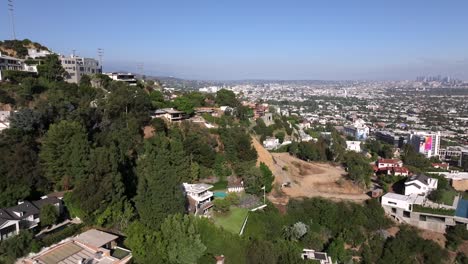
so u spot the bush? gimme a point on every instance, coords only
(221, 205)
(233, 199)
(440, 211)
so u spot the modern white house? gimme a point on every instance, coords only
(199, 197)
(404, 202)
(271, 143)
(38, 53)
(420, 185)
(123, 77)
(321, 257)
(353, 146)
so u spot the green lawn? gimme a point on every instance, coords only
(448, 197)
(233, 220)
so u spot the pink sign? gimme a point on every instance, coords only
(428, 143)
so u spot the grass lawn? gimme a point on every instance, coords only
(233, 220)
(448, 197)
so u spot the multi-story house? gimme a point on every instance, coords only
(78, 66)
(199, 197)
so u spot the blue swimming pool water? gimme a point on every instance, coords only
(462, 208)
(220, 194)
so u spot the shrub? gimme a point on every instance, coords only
(221, 205)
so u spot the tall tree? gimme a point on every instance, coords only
(226, 98)
(159, 192)
(64, 153)
(179, 240)
(51, 68)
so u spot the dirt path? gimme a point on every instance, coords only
(307, 179)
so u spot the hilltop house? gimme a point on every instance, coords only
(170, 114)
(25, 215)
(199, 197)
(420, 185)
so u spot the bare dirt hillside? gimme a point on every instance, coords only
(307, 179)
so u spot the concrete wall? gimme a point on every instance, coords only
(436, 223)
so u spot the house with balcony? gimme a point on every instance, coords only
(199, 197)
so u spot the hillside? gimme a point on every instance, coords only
(19, 48)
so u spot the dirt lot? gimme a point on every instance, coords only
(307, 179)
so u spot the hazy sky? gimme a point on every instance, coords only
(238, 39)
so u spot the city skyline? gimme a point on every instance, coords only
(261, 40)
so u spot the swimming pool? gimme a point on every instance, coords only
(462, 208)
(220, 194)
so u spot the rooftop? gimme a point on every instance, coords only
(197, 188)
(413, 199)
(95, 238)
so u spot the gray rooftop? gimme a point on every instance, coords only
(95, 238)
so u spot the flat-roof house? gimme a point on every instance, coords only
(199, 197)
(321, 257)
(170, 114)
(91, 247)
(420, 185)
(404, 202)
(271, 143)
(389, 163)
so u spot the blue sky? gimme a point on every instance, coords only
(255, 39)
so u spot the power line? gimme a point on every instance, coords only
(11, 8)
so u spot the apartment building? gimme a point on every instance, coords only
(76, 67)
(426, 143)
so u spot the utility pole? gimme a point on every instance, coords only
(73, 52)
(100, 54)
(140, 70)
(11, 8)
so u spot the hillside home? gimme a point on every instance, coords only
(398, 171)
(92, 246)
(199, 197)
(420, 185)
(25, 215)
(353, 146)
(271, 143)
(389, 163)
(320, 257)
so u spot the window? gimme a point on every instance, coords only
(394, 210)
(422, 218)
(406, 214)
(389, 202)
